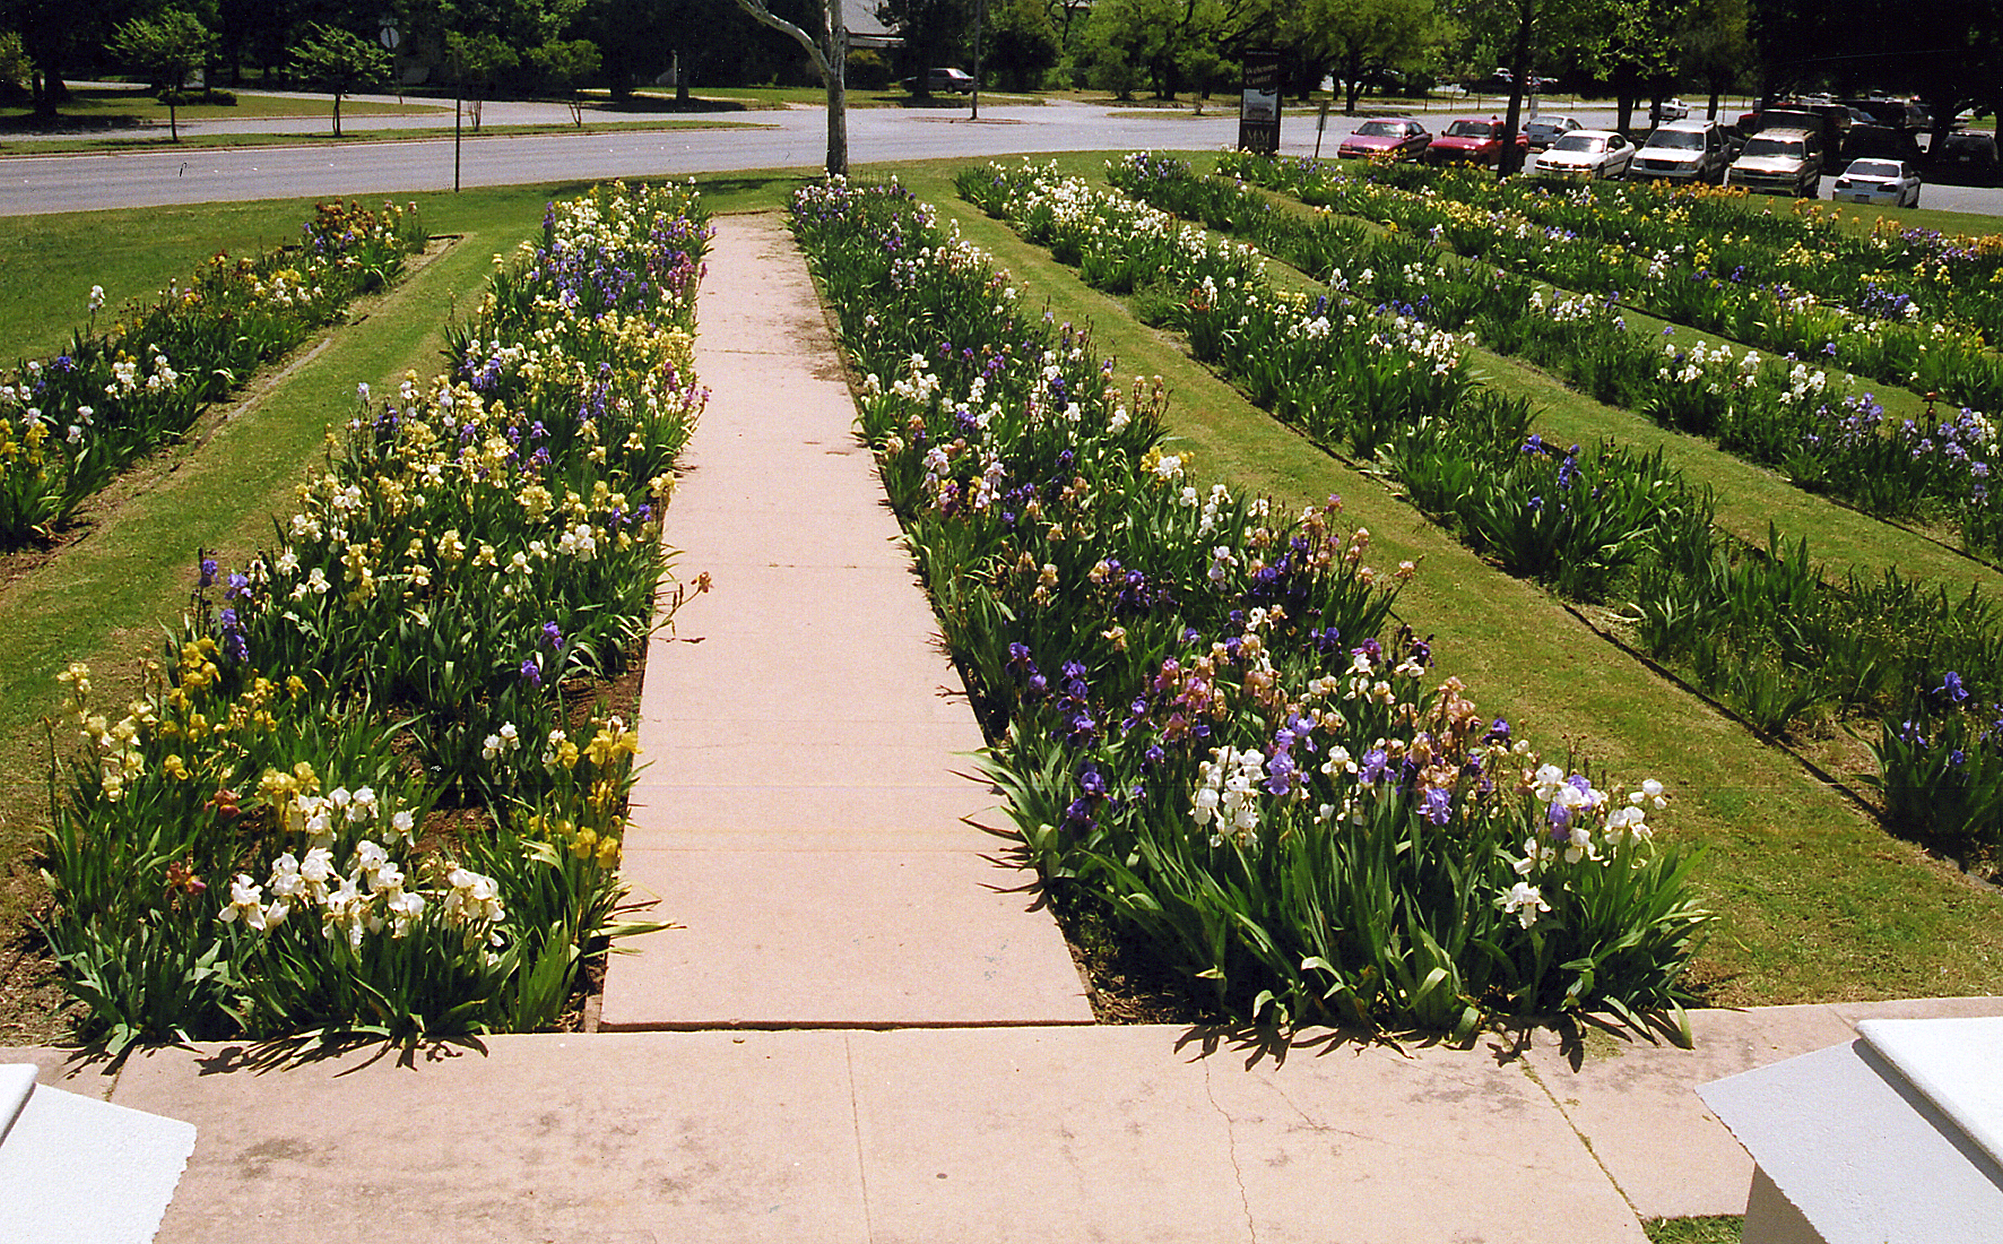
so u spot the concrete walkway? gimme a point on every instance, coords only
(804, 815)
(911, 1062)
(1135, 1135)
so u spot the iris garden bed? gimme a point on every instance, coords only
(326, 811)
(69, 424)
(1763, 629)
(1203, 723)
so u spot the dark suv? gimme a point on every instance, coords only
(1966, 157)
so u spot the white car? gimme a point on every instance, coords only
(1584, 155)
(1884, 182)
(1671, 110)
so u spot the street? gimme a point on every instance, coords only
(794, 138)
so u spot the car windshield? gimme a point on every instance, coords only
(1757, 146)
(1873, 168)
(1469, 129)
(1677, 140)
(1381, 129)
(1581, 142)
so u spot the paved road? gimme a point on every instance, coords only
(794, 138)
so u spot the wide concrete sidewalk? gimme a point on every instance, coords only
(804, 812)
(1135, 1135)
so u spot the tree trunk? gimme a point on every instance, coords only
(835, 31)
(1510, 159)
(830, 56)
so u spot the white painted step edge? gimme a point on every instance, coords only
(1955, 1064)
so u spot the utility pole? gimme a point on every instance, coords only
(980, 19)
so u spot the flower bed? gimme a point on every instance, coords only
(367, 789)
(1762, 630)
(1203, 730)
(1782, 412)
(1899, 306)
(71, 423)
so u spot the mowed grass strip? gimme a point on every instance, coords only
(1818, 903)
(129, 141)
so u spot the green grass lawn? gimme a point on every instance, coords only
(1818, 903)
(127, 140)
(1721, 1230)
(91, 104)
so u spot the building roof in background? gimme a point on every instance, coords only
(864, 27)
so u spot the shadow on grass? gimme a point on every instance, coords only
(69, 123)
(651, 104)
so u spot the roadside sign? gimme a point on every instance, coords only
(1259, 107)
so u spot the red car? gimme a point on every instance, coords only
(1392, 137)
(1472, 140)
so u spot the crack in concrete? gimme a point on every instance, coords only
(855, 1127)
(1231, 1143)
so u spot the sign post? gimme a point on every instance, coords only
(389, 36)
(1259, 107)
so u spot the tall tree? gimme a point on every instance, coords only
(1641, 50)
(1948, 52)
(566, 65)
(342, 62)
(477, 61)
(52, 31)
(1523, 32)
(935, 34)
(1023, 43)
(1716, 46)
(1357, 42)
(829, 52)
(166, 48)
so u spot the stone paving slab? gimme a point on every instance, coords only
(698, 1137)
(1119, 1134)
(810, 744)
(840, 938)
(1124, 1133)
(691, 818)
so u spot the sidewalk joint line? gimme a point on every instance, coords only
(1585, 1141)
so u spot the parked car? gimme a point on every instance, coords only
(1543, 131)
(1684, 151)
(1779, 162)
(1880, 182)
(1397, 138)
(1967, 157)
(1584, 155)
(944, 82)
(1884, 142)
(1669, 110)
(1470, 140)
(1831, 122)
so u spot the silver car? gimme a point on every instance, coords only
(1684, 152)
